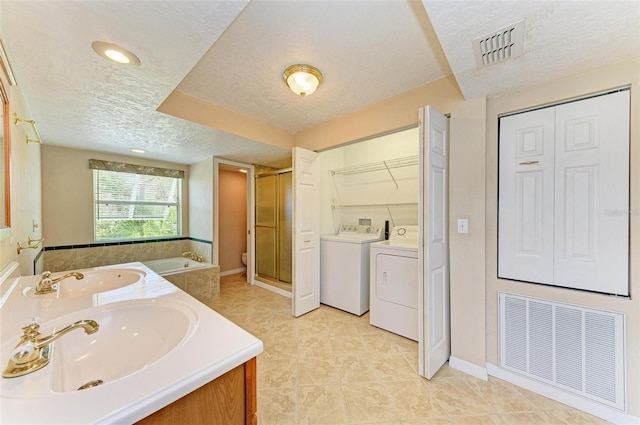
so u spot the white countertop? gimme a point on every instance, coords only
(215, 346)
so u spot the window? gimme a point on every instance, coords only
(132, 205)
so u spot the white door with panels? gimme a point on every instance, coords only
(592, 194)
(434, 339)
(564, 195)
(526, 196)
(306, 232)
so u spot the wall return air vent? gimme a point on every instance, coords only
(499, 45)
(572, 348)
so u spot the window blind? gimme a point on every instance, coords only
(135, 206)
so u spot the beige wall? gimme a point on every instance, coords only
(397, 112)
(67, 193)
(610, 77)
(25, 188)
(467, 191)
(467, 200)
(232, 219)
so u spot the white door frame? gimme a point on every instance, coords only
(251, 239)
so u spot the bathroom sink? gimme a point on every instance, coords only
(96, 281)
(131, 337)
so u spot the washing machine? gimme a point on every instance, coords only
(394, 282)
(344, 267)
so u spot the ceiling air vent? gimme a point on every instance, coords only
(499, 45)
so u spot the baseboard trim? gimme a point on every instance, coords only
(272, 288)
(468, 368)
(234, 271)
(592, 407)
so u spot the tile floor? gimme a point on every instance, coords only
(331, 367)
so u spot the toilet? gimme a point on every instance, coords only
(244, 258)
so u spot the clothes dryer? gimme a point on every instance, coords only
(394, 282)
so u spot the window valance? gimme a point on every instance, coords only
(99, 164)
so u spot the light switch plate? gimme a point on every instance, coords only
(463, 225)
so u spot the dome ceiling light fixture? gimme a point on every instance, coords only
(114, 53)
(303, 80)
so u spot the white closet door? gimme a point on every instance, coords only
(592, 194)
(525, 227)
(306, 232)
(434, 325)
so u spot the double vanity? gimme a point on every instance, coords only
(136, 348)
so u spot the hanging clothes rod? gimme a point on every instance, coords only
(377, 166)
(384, 205)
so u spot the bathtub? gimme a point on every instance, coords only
(169, 266)
(200, 280)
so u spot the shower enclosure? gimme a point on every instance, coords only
(274, 227)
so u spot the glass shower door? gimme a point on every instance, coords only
(285, 227)
(266, 226)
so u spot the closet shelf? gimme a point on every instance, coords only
(377, 166)
(385, 205)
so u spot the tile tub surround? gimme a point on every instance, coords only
(202, 284)
(331, 367)
(95, 256)
(201, 248)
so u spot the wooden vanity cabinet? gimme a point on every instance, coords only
(230, 399)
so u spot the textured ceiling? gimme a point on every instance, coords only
(562, 38)
(232, 54)
(367, 51)
(81, 101)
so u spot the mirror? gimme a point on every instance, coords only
(5, 183)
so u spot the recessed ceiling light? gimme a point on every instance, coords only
(243, 170)
(115, 53)
(136, 150)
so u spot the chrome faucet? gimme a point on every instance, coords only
(46, 285)
(32, 352)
